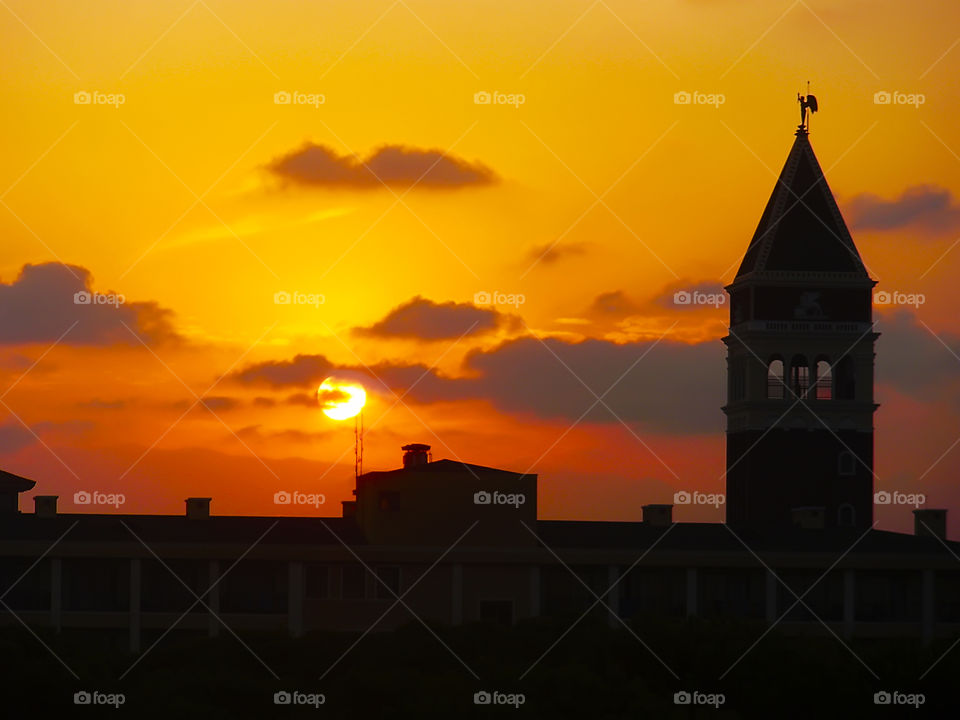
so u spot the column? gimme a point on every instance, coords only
(456, 608)
(849, 602)
(212, 599)
(135, 572)
(612, 598)
(771, 604)
(928, 605)
(295, 595)
(691, 592)
(56, 593)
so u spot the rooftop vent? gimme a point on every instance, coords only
(658, 515)
(45, 505)
(930, 522)
(198, 508)
(416, 454)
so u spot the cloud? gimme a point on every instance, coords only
(39, 307)
(923, 206)
(663, 387)
(302, 371)
(395, 165)
(613, 304)
(551, 252)
(915, 362)
(686, 295)
(424, 319)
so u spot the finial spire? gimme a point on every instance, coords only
(808, 105)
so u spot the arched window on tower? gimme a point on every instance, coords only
(846, 516)
(799, 376)
(775, 380)
(824, 380)
(845, 381)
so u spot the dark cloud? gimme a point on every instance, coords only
(302, 399)
(923, 206)
(666, 387)
(614, 304)
(46, 300)
(264, 402)
(13, 437)
(302, 371)
(318, 165)
(551, 252)
(914, 361)
(220, 403)
(424, 319)
(97, 404)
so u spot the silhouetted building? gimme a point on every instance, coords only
(800, 363)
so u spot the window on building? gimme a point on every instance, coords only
(824, 381)
(389, 579)
(499, 612)
(352, 582)
(845, 515)
(799, 376)
(847, 463)
(845, 381)
(775, 380)
(317, 581)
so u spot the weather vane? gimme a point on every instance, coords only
(808, 103)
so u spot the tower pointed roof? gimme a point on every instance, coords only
(801, 229)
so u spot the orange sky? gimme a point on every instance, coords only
(597, 183)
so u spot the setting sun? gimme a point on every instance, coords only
(341, 399)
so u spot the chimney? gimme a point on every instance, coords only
(930, 522)
(415, 454)
(808, 518)
(45, 505)
(198, 508)
(658, 515)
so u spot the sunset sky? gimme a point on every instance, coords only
(233, 155)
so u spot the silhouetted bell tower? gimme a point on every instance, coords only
(800, 354)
